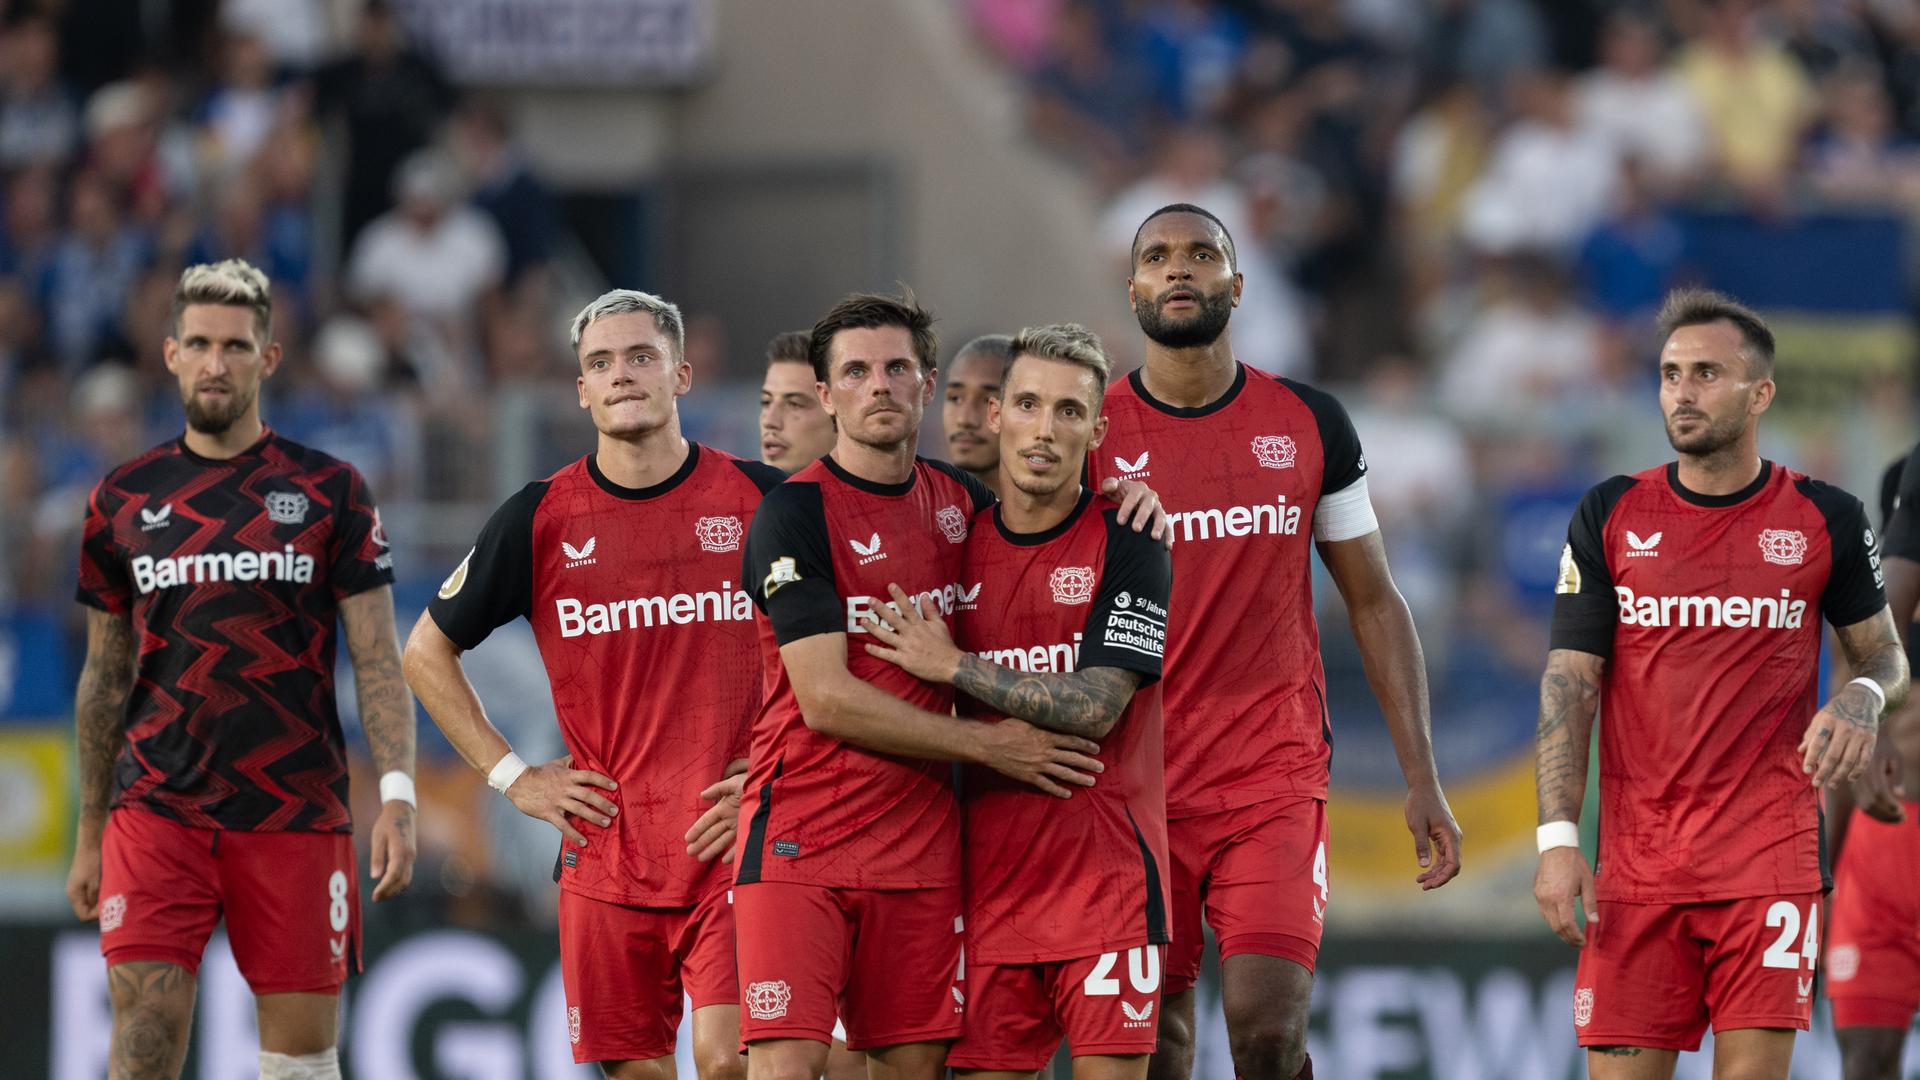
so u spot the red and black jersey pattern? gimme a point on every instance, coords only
(232, 572)
(820, 555)
(1241, 478)
(635, 600)
(1048, 878)
(1708, 611)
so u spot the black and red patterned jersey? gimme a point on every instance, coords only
(232, 571)
(1050, 878)
(1707, 610)
(636, 603)
(820, 555)
(1242, 479)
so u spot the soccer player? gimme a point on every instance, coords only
(847, 880)
(973, 381)
(1873, 929)
(795, 429)
(213, 568)
(1688, 609)
(1066, 901)
(624, 563)
(1261, 465)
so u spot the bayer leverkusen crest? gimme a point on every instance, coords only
(287, 507)
(719, 534)
(1071, 584)
(953, 523)
(1274, 451)
(1783, 547)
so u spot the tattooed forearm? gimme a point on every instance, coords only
(152, 1009)
(1569, 693)
(100, 710)
(386, 708)
(1084, 703)
(1872, 650)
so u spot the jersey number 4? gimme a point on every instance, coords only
(1786, 916)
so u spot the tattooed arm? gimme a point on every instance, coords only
(1569, 695)
(1085, 703)
(386, 714)
(100, 722)
(1841, 737)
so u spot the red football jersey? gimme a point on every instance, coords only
(232, 571)
(1050, 878)
(1708, 611)
(1241, 478)
(647, 634)
(820, 555)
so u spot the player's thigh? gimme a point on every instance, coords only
(716, 1042)
(159, 891)
(152, 1016)
(1752, 1053)
(908, 1061)
(1871, 1053)
(795, 949)
(995, 1074)
(658, 1068)
(710, 973)
(1110, 1067)
(297, 1024)
(1641, 981)
(621, 978)
(844, 1064)
(1265, 998)
(292, 901)
(1267, 884)
(1630, 1063)
(785, 1059)
(904, 984)
(1174, 1058)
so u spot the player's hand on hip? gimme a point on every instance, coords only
(713, 831)
(83, 880)
(1879, 792)
(1139, 507)
(1436, 835)
(1048, 760)
(1840, 738)
(917, 642)
(393, 850)
(1563, 877)
(555, 793)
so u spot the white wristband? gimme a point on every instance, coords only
(1874, 689)
(505, 772)
(397, 786)
(1557, 834)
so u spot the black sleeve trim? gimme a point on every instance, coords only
(1126, 625)
(1903, 526)
(788, 564)
(1584, 608)
(764, 476)
(1344, 463)
(493, 585)
(983, 495)
(1856, 589)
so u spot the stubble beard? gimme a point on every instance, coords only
(216, 419)
(1205, 326)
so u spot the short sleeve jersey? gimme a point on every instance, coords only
(647, 636)
(1049, 878)
(820, 555)
(233, 571)
(1241, 479)
(1707, 610)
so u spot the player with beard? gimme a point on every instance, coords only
(623, 562)
(847, 885)
(214, 568)
(795, 429)
(1688, 612)
(973, 381)
(1261, 465)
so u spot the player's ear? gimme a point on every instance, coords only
(1099, 432)
(826, 399)
(682, 377)
(993, 414)
(270, 359)
(1762, 397)
(170, 352)
(1239, 283)
(580, 385)
(932, 384)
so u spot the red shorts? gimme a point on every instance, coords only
(1018, 1013)
(1652, 975)
(625, 968)
(887, 962)
(1260, 871)
(291, 900)
(1873, 928)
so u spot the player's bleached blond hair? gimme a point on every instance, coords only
(1067, 342)
(235, 283)
(666, 316)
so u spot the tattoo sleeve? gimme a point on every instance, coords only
(100, 709)
(1871, 648)
(1084, 703)
(1569, 694)
(386, 709)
